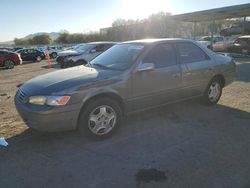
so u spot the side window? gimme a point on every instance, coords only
(190, 53)
(162, 55)
(30, 51)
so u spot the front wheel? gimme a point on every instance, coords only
(213, 92)
(9, 64)
(54, 55)
(100, 118)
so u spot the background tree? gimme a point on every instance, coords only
(43, 39)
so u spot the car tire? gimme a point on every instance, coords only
(8, 64)
(213, 92)
(38, 58)
(62, 65)
(54, 55)
(100, 118)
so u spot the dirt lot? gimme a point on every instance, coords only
(180, 145)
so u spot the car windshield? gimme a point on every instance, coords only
(84, 47)
(118, 57)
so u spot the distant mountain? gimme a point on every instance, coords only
(53, 35)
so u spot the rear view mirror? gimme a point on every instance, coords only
(145, 67)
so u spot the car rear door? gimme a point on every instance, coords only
(197, 68)
(155, 87)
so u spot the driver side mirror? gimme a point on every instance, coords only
(145, 67)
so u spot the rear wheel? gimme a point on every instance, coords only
(213, 92)
(38, 58)
(100, 118)
(8, 64)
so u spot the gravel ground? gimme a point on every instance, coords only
(180, 145)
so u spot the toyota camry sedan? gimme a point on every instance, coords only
(129, 77)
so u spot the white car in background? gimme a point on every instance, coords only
(53, 50)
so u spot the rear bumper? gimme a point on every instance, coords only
(49, 119)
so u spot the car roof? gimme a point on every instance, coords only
(7, 51)
(156, 40)
(103, 42)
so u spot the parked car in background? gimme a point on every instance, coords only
(53, 50)
(31, 54)
(17, 48)
(240, 45)
(75, 50)
(236, 28)
(129, 77)
(219, 42)
(6, 49)
(9, 59)
(92, 50)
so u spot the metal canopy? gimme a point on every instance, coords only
(217, 14)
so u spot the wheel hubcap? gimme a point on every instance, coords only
(214, 91)
(102, 120)
(38, 58)
(9, 64)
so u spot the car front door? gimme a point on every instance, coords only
(159, 85)
(24, 55)
(197, 68)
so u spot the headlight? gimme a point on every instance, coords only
(57, 100)
(49, 100)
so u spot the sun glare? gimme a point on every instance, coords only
(138, 9)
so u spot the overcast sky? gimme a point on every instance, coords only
(23, 17)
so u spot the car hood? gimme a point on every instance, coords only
(68, 52)
(66, 81)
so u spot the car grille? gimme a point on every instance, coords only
(21, 96)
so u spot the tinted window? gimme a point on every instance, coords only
(3, 53)
(162, 55)
(190, 53)
(31, 51)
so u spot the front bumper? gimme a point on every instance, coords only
(49, 119)
(60, 59)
